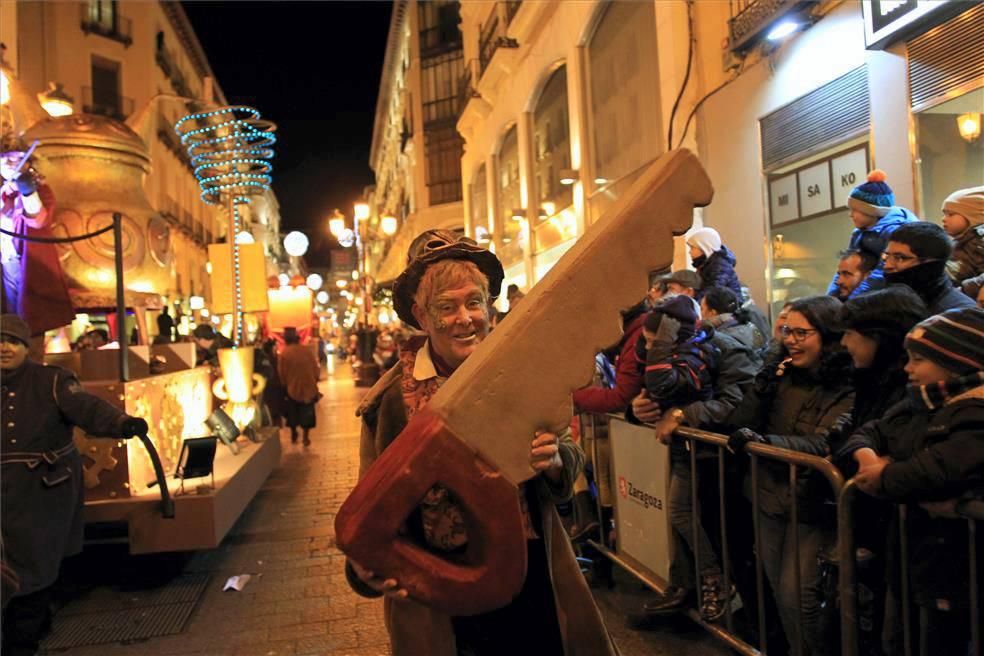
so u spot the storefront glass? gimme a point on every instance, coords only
(552, 150)
(510, 201)
(809, 221)
(951, 150)
(624, 87)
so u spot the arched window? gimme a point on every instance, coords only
(510, 201)
(479, 204)
(624, 87)
(552, 143)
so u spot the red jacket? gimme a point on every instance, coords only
(628, 377)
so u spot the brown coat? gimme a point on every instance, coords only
(298, 370)
(417, 630)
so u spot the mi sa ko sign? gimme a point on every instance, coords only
(816, 188)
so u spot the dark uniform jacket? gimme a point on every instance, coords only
(938, 455)
(41, 477)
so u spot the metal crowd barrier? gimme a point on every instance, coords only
(844, 492)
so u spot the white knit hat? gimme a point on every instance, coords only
(706, 239)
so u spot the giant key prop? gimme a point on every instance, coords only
(474, 435)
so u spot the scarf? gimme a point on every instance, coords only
(442, 518)
(928, 279)
(936, 395)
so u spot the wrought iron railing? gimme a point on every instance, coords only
(113, 106)
(492, 37)
(512, 6)
(113, 26)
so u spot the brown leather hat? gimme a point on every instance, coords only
(433, 246)
(12, 325)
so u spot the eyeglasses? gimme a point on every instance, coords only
(798, 334)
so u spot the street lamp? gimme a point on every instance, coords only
(388, 225)
(296, 243)
(336, 223)
(361, 211)
(55, 101)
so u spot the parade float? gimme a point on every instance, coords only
(96, 167)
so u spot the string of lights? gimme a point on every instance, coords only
(230, 150)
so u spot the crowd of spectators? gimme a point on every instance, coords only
(883, 376)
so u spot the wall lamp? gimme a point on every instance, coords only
(569, 176)
(519, 214)
(969, 125)
(56, 101)
(389, 225)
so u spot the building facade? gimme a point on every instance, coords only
(561, 105)
(137, 63)
(416, 149)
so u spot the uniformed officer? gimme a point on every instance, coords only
(41, 480)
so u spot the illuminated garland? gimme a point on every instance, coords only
(230, 150)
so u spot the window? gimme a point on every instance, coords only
(624, 84)
(479, 201)
(102, 14)
(551, 137)
(103, 97)
(444, 148)
(439, 86)
(509, 196)
(439, 30)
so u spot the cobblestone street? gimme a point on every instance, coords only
(298, 601)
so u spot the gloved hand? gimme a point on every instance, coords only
(741, 437)
(133, 426)
(26, 182)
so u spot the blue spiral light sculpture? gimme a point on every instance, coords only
(230, 150)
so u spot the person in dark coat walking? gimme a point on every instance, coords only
(875, 217)
(916, 256)
(799, 393)
(713, 261)
(43, 492)
(928, 453)
(298, 369)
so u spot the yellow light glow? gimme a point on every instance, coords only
(196, 302)
(969, 125)
(56, 108)
(342, 283)
(361, 211)
(55, 101)
(322, 297)
(550, 208)
(315, 281)
(244, 237)
(389, 225)
(208, 268)
(355, 275)
(359, 301)
(238, 382)
(336, 223)
(4, 89)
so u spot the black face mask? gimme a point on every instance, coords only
(699, 261)
(926, 279)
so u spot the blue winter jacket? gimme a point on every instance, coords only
(718, 270)
(874, 240)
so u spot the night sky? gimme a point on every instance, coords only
(313, 68)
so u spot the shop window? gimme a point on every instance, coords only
(624, 94)
(951, 150)
(809, 223)
(551, 135)
(510, 201)
(479, 202)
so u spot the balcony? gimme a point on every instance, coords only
(467, 86)
(751, 18)
(512, 6)
(112, 106)
(492, 37)
(165, 61)
(113, 26)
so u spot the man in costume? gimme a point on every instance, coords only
(43, 495)
(446, 291)
(33, 283)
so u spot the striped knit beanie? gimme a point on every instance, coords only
(954, 340)
(873, 197)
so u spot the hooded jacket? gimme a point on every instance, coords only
(874, 240)
(628, 377)
(718, 270)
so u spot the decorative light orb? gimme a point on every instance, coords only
(336, 223)
(361, 211)
(245, 237)
(284, 280)
(389, 225)
(296, 243)
(196, 302)
(384, 317)
(359, 301)
(346, 238)
(355, 275)
(322, 297)
(314, 282)
(341, 283)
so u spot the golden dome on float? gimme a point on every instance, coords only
(94, 133)
(96, 166)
